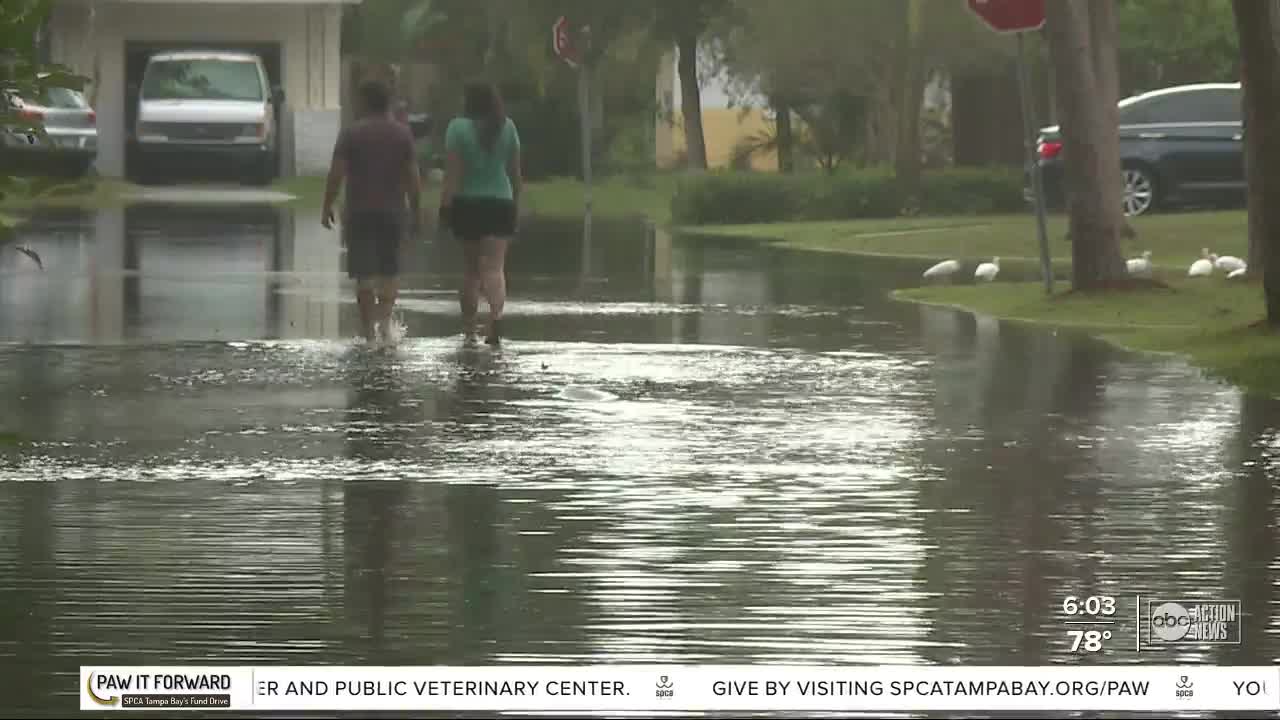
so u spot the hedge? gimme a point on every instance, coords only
(739, 198)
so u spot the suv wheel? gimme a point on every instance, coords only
(1139, 191)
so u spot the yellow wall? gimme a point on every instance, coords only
(722, 128)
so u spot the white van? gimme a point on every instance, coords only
(208, 105)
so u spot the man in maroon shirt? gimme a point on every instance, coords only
(375, 157)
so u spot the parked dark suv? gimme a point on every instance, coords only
(1179, 145)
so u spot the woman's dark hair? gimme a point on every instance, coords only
(482, 103)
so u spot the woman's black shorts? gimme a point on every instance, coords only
(472, 218)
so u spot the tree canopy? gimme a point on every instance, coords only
(1175, 42)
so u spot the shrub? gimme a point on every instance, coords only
(972, 191)
(733, 198)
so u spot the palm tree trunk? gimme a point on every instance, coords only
(691, 101)
(1080, 42)
(785, 137)
(912, 81)
(1254, 167)
(1261, 64)
(1104, 40)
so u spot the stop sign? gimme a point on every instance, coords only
(1010, 16)
(562, 43)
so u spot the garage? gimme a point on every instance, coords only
(109, 41)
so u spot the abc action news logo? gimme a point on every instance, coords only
(1183, 622)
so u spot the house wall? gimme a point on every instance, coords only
(722, 130)
(91, 39)
(723, 127)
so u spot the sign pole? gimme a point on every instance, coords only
(1037, 177)
(578, 57)
(584, 110)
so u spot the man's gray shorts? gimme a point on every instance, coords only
(373, 244)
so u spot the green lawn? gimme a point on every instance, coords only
(649, 196)
(1209, 320)
(1175, 239)
(613, 197)
(88, 193)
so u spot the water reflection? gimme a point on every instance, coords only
(1252, 561)
(688, 452)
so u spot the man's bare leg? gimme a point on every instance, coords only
(388, 289)
(367, 301)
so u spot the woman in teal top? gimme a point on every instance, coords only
(482, 184)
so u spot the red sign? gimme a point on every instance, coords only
(1010, 16)
(561, 42)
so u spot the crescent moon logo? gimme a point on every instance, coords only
(88, 685)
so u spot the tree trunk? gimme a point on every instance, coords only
(691, 101)
(911, 73)
(881, 126)
(1090, 136)
(1105, 40)
(1262, 103)
(785, 138)
(1253, 169)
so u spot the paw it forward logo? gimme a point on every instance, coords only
(109, 701)
(666, 687)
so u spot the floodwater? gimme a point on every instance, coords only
(686, 452)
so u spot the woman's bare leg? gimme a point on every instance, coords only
(469, 296)
(493, 261)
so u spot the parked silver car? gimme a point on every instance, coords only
(207, 108)
(70, 138)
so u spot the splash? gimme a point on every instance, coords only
(396, 330)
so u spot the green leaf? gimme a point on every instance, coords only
(421, 19)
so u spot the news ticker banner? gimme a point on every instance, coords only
(683, 688)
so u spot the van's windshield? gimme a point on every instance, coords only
(202, 79)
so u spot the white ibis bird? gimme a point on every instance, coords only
(1140, 267)
(1228, 263)
(1202, 267)
(1238, 273)
(988, 271)
(943, 270)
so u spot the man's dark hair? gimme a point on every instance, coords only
(376, 97)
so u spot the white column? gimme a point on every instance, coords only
(106, 278)
(104, 55)
(315, 67)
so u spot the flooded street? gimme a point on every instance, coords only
(686, 452)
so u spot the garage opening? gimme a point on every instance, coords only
(136, 56)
